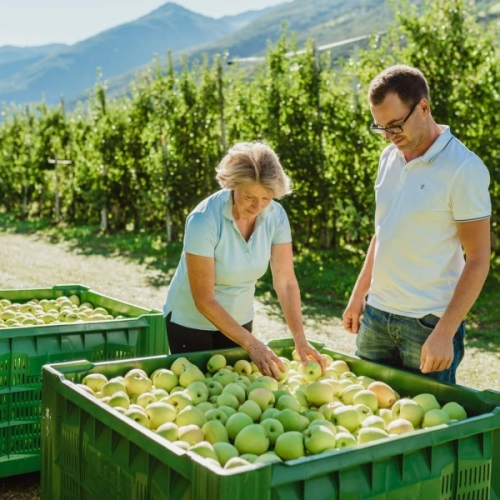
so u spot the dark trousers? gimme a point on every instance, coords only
(184, 339)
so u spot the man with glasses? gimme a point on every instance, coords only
(432, 205)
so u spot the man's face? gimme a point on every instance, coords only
(392, 112)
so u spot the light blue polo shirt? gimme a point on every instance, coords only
(211, 231)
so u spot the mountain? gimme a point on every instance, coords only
(9, 53)
(73, 70)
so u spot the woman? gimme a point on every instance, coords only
(229, 240)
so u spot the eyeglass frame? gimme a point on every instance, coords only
(392, 130)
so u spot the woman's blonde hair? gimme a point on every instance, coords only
(249, 162)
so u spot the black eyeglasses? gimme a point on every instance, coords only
(397, 129)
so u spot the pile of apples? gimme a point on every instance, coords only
(54, 311)
(233, 415)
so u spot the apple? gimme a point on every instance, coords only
(191, 434)
(249, 457)
(223, 376)
(214, 388)
(366, 397)
(274, 428)
(340, 366)
(95, 381)
(227, 410)
(228, 399)
(347, 395)
(191, 374)
(264, 397)
(252, 409)
(225, 451)
(242, 380)
(427, 402)
(267, 457)
(243, 367)
(368, 434)
(216, 414)
(328, 409)
(165, 379)
(292, 421)
(138, 416)
(312, 415)
(455, 411)
(365, 381)
(206, 406)
(112, 386)
(235, 423)
(344, 440)
(137, 382)
(252, 439)
(236, 390)
(215, 363)
(145, 398)
(215, 431)
(290, 445)
(281, 392)
(400, 426)
(272, 384)
(179, 365)
(363, 411)
(336, 385)
(288, 402)
(408, 409)
(346, 416)
(435, 417)
(301, 398)
(119, 398)
(319, 393)
(295, 356)
(178, 400)
(318, 438)
(386, 396)
(198, 392)
(269, 413)
(183, 445)
(374, 421)
(235, 462)
(256, 385)
(386, 414)
(204, 449)
(159, 394)
(160, 413)
(311, 371)
(190, 415)
(87, 389)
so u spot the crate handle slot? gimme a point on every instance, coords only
(289, 342)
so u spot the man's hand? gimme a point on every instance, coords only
(267, 362)
(307, 352)
(437, 352)
(352, 315)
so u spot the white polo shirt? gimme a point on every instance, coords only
(418, 256)
(211, 231)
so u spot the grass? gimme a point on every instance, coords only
(138, 267)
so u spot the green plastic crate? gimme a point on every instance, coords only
(91, 452)
(24, 350)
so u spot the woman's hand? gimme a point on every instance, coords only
(267, 362)
(307, 352)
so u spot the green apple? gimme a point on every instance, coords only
(179, 365)
(215, 431)
(249, 457)
(281, 392)
(268, 413)
(340, 366)
(183, 445)
(292, 421)
(386, 414)
(272, 384)
(179, 400)
(289, 402)
(216, 414)
(227, 410)
(137, 383)
(191, 434)
(214, 388)
(326, 423)
(366, 397)
(252, 409)
(346, 416)
(400, 426)
(159, 394)
(190, 415)
(368, 434)
(328, 409)
(318, 438)
(243, 367)
(225, 451)
(344, 440)
(191, 374)
(145, 399)
(290, 445)
(311, 371)
(223, 376)
(242, 380)
(274, 428)
(165, 379)
(264, 397)
(119, 398)
(87, 389)
(312, 415)
(204, 449)
(386, 395)
(236, 462)
(160, 413)
(435, 417)
(138, 416)
(268, 457)
(301, 398)
(95, 381)
(215, 363)
(112, 386)
(319, 393)
(235, 390)
(363, 411)
(235, 423)
(408, 409)
(455, 411)
(206, 406)
(228, 399)
(374, 421)
(198, 392)
(252, 439)
(169, 431)
(295, 356)
(427, 402)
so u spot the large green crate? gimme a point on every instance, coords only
(91, 452)
(24, 350)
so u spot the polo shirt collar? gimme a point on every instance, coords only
(436, 148)
(227, 211)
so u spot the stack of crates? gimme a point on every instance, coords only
(24, 350)
(90, 451)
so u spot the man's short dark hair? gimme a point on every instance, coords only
(408, 83)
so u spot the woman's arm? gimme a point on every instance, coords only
(287, 289)
(201, 274)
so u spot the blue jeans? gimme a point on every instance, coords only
(397, 341)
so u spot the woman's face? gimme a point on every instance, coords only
(250, 199)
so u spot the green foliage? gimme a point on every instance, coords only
(143, 162)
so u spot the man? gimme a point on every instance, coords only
(432, 205)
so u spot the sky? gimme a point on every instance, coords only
(39, 22)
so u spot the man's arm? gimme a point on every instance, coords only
(356, 305)
(437, 351)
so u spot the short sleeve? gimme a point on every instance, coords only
(283, 233)
(469, 195)
(200, 236)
